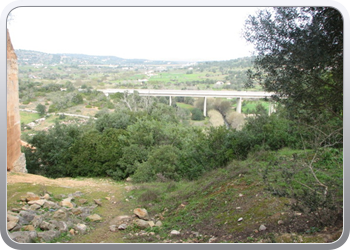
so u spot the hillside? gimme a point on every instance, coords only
(29, 57)
(229, 205)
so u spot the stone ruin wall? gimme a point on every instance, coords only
(15, 159)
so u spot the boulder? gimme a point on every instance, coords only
(23, 236)
(11, 221)
(94, 217)
(141, 213)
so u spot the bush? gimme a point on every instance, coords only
(197, 114)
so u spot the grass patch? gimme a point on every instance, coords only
(213, 204)
(27, 117)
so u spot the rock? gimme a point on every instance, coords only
(72, 231)
(11, 221)
(81, 228)
(113, 228)
(24, 236)
(37, 202)
(129, 179)
(44, 226)
(262, 228)
(280, 222)
(28, 228)
(37, 220)
(141, 213)
(212, 239)
(240, 219)
(31, 197)
(77, 211)
(27, 216)
(48, 236)
(122, 227)
(83, 201)
(34, 207)
(240, 195)
(120, 219)
(142, 223)
(98, 202)
(175, 232)
(94, 217)
(62, 226)
(46, 197)
(60, 214)
(50, 204)
(67, 203)
(151, 223)
(158, 223)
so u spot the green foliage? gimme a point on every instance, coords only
(41, 109)
(50, 156)
(312, 179)
(303, 62)
(97, 154)
(197, 114)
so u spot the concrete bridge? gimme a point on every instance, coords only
(240, 95)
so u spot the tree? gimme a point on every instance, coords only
(300, 56)
(41, 109)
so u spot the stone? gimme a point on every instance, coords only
(67, 203)
(37, 220)
(37, 202)
(34, 207)
(11, 221)
(44, 226)
(175, 232)
(240, 219)
(77, 211)
(27, 216)
(122, 227)
(151, 223)
(48, 236)
(50, 204)
(212, 239)
(98, 202)
(81, 228)
(60, 214)
(280, 222)
(120, 219)
(262, 228)
(158, 223)
(141, 213)
(23, 236)
(72, 231)
(83, 201)
(142, 223)
(31, 197)
(113, 228)
(62, 226)
(28, 228)
(94, 217)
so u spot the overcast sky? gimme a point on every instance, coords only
(155, 33)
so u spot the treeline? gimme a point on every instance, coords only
(151, 144)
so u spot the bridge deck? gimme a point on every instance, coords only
(192, 93)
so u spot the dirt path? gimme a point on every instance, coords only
(13, 178)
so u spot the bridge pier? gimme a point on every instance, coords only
(272, 108)
(239, 105)
(170, 100)
(205, 107)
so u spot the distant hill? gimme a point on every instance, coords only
(30, 57)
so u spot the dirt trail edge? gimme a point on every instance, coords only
(110, 193)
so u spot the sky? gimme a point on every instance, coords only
(154, 33)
